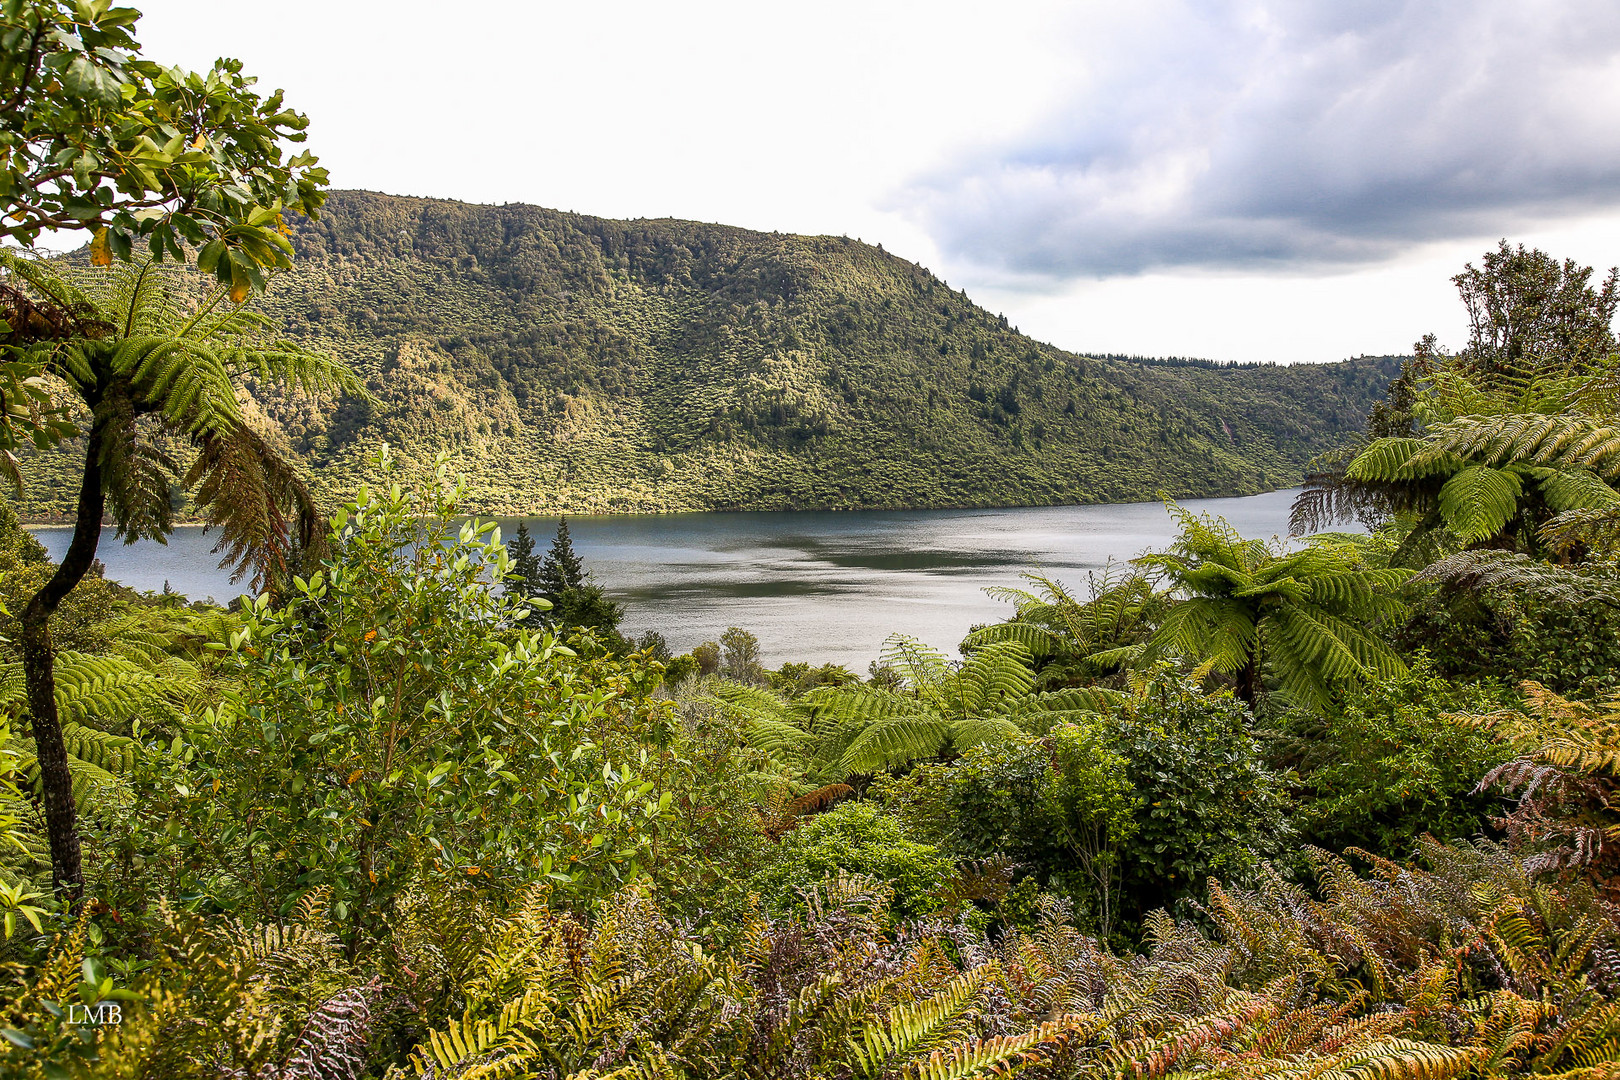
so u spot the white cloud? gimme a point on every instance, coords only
(1251, 135)
(1208, 160)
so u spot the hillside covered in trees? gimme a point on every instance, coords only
(581, 364)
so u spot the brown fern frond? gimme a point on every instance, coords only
(824, 796)
(263, 510)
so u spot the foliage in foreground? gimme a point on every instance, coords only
(1469, 967)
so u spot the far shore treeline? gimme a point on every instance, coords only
(583, 365)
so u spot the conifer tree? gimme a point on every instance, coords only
(561, 569)
(524, 578)
(577, 601)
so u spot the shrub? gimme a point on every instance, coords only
(856, 838)
(1062, 804)
(1384, 766)
(395, 720)
(1569, 649)
(707, 657)
(1209, 803)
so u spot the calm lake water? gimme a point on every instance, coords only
(813, 585)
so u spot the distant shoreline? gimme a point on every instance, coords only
(67, 522)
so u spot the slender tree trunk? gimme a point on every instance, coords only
(39, 672)
(1248, 682)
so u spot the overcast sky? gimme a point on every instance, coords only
(1243, 181)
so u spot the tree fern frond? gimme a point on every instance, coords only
(1598, 530)
(1576, 489)
(983, 730)
(1386, 460)
(1491, 570)
(919, 665)
(1037, 640)
(894, 740)
(113, 754)
(250, 494)
(1478, 501)
(844, 704)
(296, 369)
(1088, 699)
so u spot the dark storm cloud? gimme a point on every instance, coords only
(1246, 135)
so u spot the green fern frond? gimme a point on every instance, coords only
(1387, 460)
(1597, 530)
(1559, 441)
(1575, 489)
(1479, 501)
(894, 741)
(1036, 640)
(919, 1025)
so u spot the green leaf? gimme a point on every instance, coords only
(208, 257)
(83, 78)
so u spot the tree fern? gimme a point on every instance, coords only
(1238, 606)
(1596, 530)
(1478, 501)
(156, 357)
(1491, 570)
(1068, 637)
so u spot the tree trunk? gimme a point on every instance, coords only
(39, 672)
(1248, 682)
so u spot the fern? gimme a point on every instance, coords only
(922, 1026)
(1491, 570)
(1478, 501)
(1239, 606)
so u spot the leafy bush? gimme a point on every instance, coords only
(394, 719)
(1513, 637)
(1384, 767)
(1062, 805)
(1208, 802)
(855, 838)
(1145, 801)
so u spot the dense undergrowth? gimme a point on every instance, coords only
(1342, 807)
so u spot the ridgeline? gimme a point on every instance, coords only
(584, 365)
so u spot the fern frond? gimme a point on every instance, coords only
(919, 1025)
(253, 496)
(894, 740)
(1492, 570)
(1478, 501)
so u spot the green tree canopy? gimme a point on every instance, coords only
(1528, 313)
(95, 137)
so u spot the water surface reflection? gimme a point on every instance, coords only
(815, 586)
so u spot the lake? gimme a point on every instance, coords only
(818, 586)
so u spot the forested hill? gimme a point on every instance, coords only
(580, 364)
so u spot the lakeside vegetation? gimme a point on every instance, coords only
(1342, 807)
(1256, 809)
